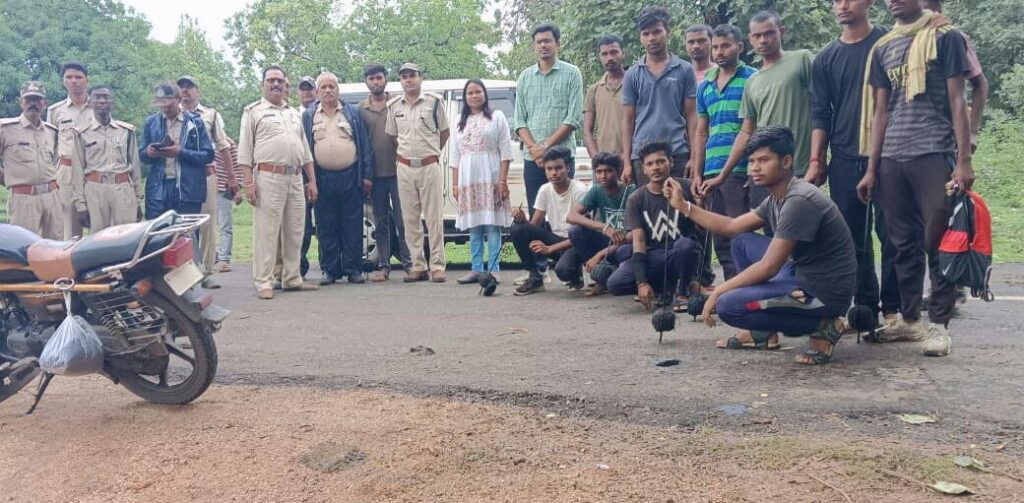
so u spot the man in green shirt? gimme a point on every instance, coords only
(778, 95)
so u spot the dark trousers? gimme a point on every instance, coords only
(731, 199)
(843, 176)
(167, 199)
(388, 230)
(770, 306)
(585, 244)
(522, 234)
(307, 238)
(913, 196)
(678, 169)
(534, 177)
(339, 221)
(681, 257)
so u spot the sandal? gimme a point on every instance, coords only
(761, 340)
(380, 276)
(830, 333)
(681, 304)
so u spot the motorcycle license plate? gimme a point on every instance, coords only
(183, 277)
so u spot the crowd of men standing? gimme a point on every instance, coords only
(880, 114)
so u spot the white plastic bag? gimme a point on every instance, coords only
(74, 349)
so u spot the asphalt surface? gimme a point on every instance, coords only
(559, 352)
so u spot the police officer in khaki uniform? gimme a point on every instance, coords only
(69, 115)
(190, 96)
(272, 152)
(420, 123)
(28, 166)
(107, 184)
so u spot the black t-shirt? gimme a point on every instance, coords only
(923, 125)
(656, 218)
(838, 85)
(825, 260)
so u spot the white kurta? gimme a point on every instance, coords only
(477, 151)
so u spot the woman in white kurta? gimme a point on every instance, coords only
(480, 153)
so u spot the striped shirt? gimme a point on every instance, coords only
(546, 101)
(724, 122)
(222, 172)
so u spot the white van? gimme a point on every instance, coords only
(502, 96)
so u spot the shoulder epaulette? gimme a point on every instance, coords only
(57, 104)
(10, 120)
(435, 96)
(251, 105)
(125, 125)
(394, 100)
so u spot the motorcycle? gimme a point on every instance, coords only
(136, 285)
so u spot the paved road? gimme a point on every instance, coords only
(559, 352)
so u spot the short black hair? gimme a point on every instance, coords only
(546, 28)
(652, 15)
(101, 86)
(374, 69)
(767, 15)
(73, 65)
(557, 152)
(778, 139)
(655, 146)
(274, 67)
(728, 30)
(609, 159)
(698, 28)
(609, 40)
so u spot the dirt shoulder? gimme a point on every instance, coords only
(93, 442)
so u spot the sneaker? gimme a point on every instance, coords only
(938, 342)
(902, 330)
(575, 286)
(531, 285)
(889, 319)
(222, 266)
(522, 279)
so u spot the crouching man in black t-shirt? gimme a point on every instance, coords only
(797, 283)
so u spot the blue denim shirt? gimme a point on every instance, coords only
(196, 153)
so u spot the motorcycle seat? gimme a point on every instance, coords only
(52, 260)
(14, 243)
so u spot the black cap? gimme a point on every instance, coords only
(307, 81)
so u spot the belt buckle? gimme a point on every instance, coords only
(107, 177)
(291, 170)
(415, 163)
(41, 188)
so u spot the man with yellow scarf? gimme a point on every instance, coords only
(916, 133)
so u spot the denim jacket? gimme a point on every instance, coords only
(360, 135)
(196, 154)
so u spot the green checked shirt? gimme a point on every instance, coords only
(545, 102)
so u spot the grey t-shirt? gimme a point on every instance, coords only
(824, 257)
(659, 103)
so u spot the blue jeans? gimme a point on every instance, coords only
(477, 236)
(770, 307)
(224, 226)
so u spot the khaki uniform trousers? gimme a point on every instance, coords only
(70, 227)
(110, 204)
(40, 214)
(278, 220)
(208, 232)
(420, 190)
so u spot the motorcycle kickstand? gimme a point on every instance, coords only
(43, 384)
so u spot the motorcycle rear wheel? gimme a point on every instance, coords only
(204, 361)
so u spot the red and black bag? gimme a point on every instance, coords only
(965, 252)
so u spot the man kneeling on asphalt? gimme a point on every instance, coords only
(597, 223)
(773, 294)
(555, 200)
(663, 254)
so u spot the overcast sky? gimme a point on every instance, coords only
(164, 16)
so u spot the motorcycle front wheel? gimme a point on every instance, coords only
(191, 366)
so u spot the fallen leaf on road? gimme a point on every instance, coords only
(969, 462)
(602, 466)
(916, 419)
(950, 488)
(421, 351)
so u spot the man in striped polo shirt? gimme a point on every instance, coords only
(718, 122)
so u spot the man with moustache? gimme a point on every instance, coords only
(698, 47)
(602, 105)
(214, 122)
(28, 164)
(273, 153)
(389, 229)
(107, 182)
(68, 115)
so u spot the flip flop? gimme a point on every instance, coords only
(762, 341)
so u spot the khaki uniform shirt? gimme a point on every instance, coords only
(28, 154)
(384, 145)
(105, 149)
(418, 125)
(333, 140)
(173, 128)
(68, 117)
(214, 123)
(272, 134)
(605, 102)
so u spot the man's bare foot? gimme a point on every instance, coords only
(745, 339)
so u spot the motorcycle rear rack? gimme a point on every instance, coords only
(186, 224)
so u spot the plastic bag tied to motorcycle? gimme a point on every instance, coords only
(74, 349)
